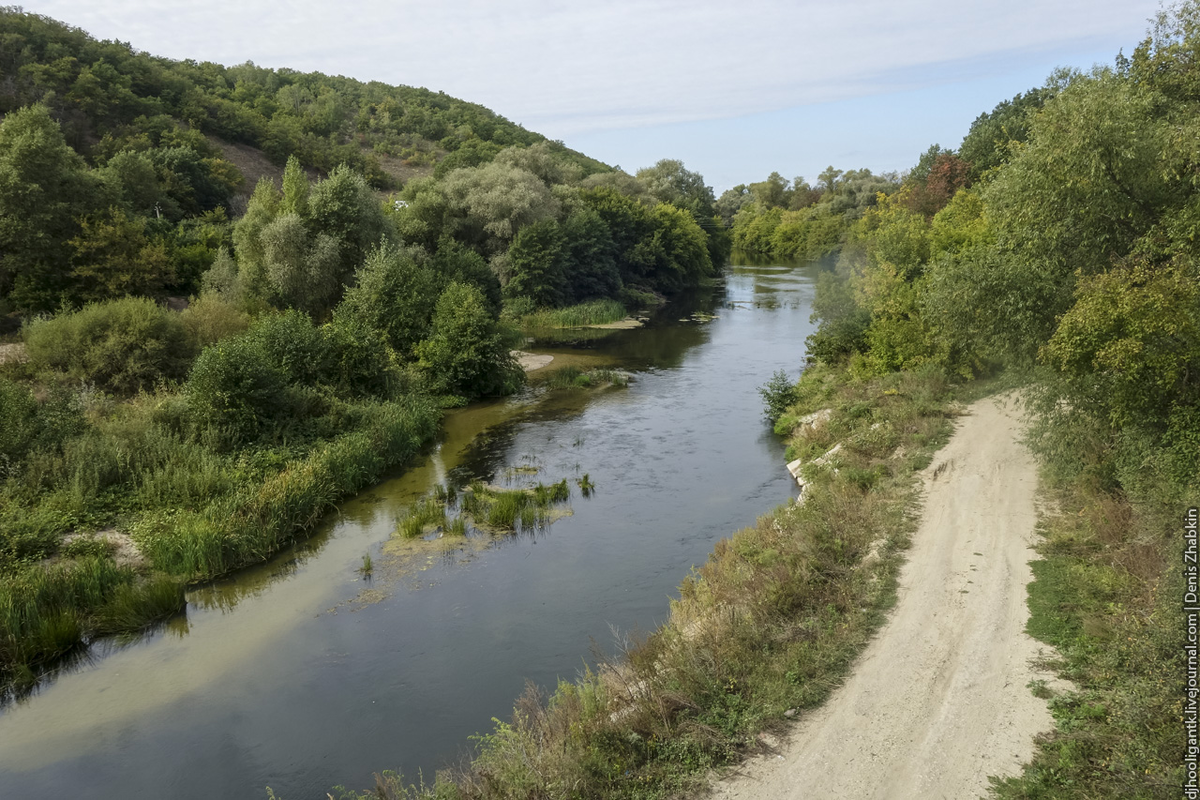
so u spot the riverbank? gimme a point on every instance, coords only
(939, 701)
(764, 629)
(194, 511)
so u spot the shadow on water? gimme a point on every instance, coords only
(300, 674)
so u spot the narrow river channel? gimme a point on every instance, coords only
(300, 674)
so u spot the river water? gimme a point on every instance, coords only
(301, 674)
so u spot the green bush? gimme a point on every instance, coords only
(778, 394)
(211, 318)
(293, 344)
(235, 387)
(465, 353)
(358, 361)
(123, 346)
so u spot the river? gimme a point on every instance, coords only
(301, 674)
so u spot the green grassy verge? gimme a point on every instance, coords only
(772, 621)
(1107, 595)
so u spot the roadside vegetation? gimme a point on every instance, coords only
(1055, 249)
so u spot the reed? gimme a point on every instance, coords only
(593, 312)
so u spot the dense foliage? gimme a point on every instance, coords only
(326, 324)
(1060, 242)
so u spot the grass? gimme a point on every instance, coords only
(195, 508)
(573, 377)
(513, 509)
(421, 518)
(769, 623)
(1106, 595)
(489, 508)
(593, 312)
(46, 613)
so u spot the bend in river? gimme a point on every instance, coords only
(300, 675)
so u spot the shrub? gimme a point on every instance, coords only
(358, 361)
(778, 394)
(292, 343)
(211, 318)
(465, 354)
(123, 346)
(235, 387)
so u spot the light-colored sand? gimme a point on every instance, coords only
(939, 700)
(531, 361)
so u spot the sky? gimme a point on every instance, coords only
(736, 90)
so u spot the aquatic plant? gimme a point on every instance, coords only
(594, 312)
(572, 377)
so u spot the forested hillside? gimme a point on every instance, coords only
(377, 272)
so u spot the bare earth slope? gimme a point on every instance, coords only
(939, 699)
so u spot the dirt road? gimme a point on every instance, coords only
(939, 699)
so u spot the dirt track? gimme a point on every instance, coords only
(939, 699)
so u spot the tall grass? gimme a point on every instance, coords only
(593, 312)
(195, 511)
(255, 520)
(513, 509)
(47, 612)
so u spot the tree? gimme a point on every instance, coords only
(993, 135)
(676, 252)
(302, 269)
(465, 353)
(1091, 179)
(44, 188)
(113, 258)
(392, 295)
(827, 180)
(538, 261)
(487, 206)
(670, 182)
(591, 266)
(344, 208)
(774, 192)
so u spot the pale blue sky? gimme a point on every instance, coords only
(734, 89)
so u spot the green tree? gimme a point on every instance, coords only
(538, 260)
(44, 188)
(114, 257)
(393, 294)
(465, 353)
(591, 266)
(670, 182)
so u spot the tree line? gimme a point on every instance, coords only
(327, 315)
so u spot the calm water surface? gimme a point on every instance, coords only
(300, 675)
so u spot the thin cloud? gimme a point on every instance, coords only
(573, 68)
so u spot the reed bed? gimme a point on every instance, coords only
(593, 312)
